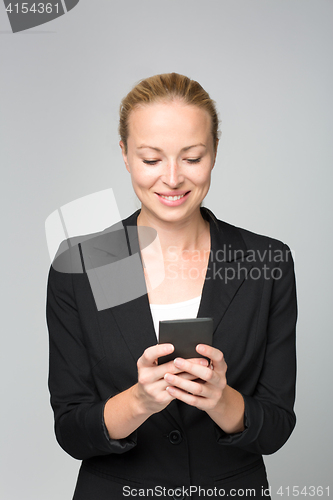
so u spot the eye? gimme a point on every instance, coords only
(193, 160)
(150, 162)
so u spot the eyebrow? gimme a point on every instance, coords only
(143, 146)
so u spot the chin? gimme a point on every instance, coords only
(173, 215)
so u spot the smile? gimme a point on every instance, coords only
(172, 198)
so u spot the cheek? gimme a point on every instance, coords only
(143, 179)
(202, 178)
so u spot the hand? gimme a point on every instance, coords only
(205, 393)
(151, 391)
(126, 411)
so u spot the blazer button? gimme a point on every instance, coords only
(175, 437)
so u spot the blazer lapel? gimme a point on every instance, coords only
(226, 271)
(114, 267)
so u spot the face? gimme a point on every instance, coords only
(170, 155)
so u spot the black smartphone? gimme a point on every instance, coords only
(185, 335)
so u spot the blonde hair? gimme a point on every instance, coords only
(167, 86)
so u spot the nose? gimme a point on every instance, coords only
(173, 175)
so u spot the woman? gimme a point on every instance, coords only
(185, 428)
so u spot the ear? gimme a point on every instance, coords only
(123, 152)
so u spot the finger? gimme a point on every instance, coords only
(156, 391)
(193, 387)
(199, 361)
(215, 355)
(189, 376)
(152, 373)
(188, 398)
(157, 372)
(170, 367)
(152, 353)
(177, 393)
(203, 372)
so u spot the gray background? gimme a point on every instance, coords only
(268, 65)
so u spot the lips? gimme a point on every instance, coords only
(172, 194)
(173, 199)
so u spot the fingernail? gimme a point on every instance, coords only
(168, 377)
(179, 362)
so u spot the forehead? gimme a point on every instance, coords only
(173, 120)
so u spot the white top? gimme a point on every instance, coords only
(180, 310)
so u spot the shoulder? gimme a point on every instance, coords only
(238, 243)
(255, 240)
(250, 239)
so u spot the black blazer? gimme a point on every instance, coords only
(249, 292)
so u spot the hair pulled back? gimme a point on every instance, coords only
(166, 87)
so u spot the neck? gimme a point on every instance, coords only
(188, 234)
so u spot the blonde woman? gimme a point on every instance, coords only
(186, 427)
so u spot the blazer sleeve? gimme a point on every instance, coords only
(78, 410)
(269, 416)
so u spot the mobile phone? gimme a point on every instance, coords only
(185, 335)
